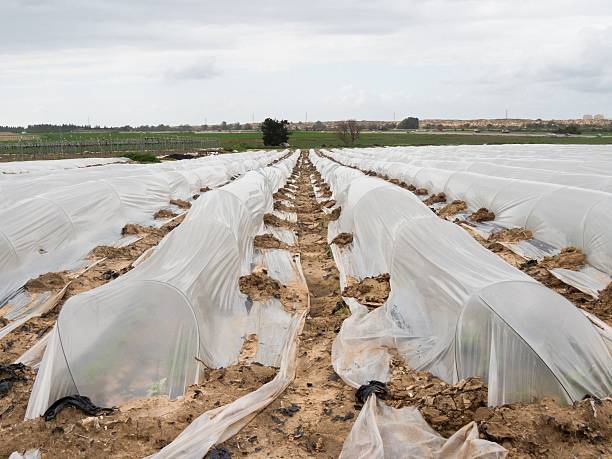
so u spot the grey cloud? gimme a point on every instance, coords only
(394, 53)
(202, 70)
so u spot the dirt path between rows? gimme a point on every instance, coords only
(315, 414)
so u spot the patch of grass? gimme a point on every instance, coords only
(142, 157)
(328, 139)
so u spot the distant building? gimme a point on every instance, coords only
(599, 116)
(587, 117)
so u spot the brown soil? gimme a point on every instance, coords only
(180, 203)
(482, 215)
(546, 429)
(401, 184)
(323, 187)
(163, 213)
(511, 235)
(421, 191)
(434, 199)
(371, 291)
(569, 258)
(204, 190)
(574, 259)
(281, 194)
(138, 429)
(602, 307)
(278, 205)
(268, 241)
(132, 229)
(541, 429)
(14, 402)
(258, 286)
(47, 282)
(453, 208)
(334, 214)
(328, 204)
(508, 255)
(343, 239)
(446, 407)
(315, 414)
(273, 220)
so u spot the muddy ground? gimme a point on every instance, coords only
(540, 429)
(315, 414)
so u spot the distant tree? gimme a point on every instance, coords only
(409, 123)
(354, 130)
(318, 126)
(348, 131)
(223, 126)
(247, 126)
(571, 129)
(275, 132)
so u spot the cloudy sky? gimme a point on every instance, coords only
(118, 62)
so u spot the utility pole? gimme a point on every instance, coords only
(506, 113)
(393, 116)
(307, 117)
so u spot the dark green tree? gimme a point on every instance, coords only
(409, 123)
(570, 129)
(275, 132)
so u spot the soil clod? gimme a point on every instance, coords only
(371, 291)
(482, 215)
(163, 213)
(453, 208)
(511, 235)
(343, 239)
(47, 282)
(258, 286)
(434, 199)
(268, 241)
(180, 203)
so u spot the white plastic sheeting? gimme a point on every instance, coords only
(220, 424)
(24, 167)
(576, 165)
(382, 432)
(140, 334)
(559, 215)
(181, 177)
(29, 454)
(455, 308)
(49, 231)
